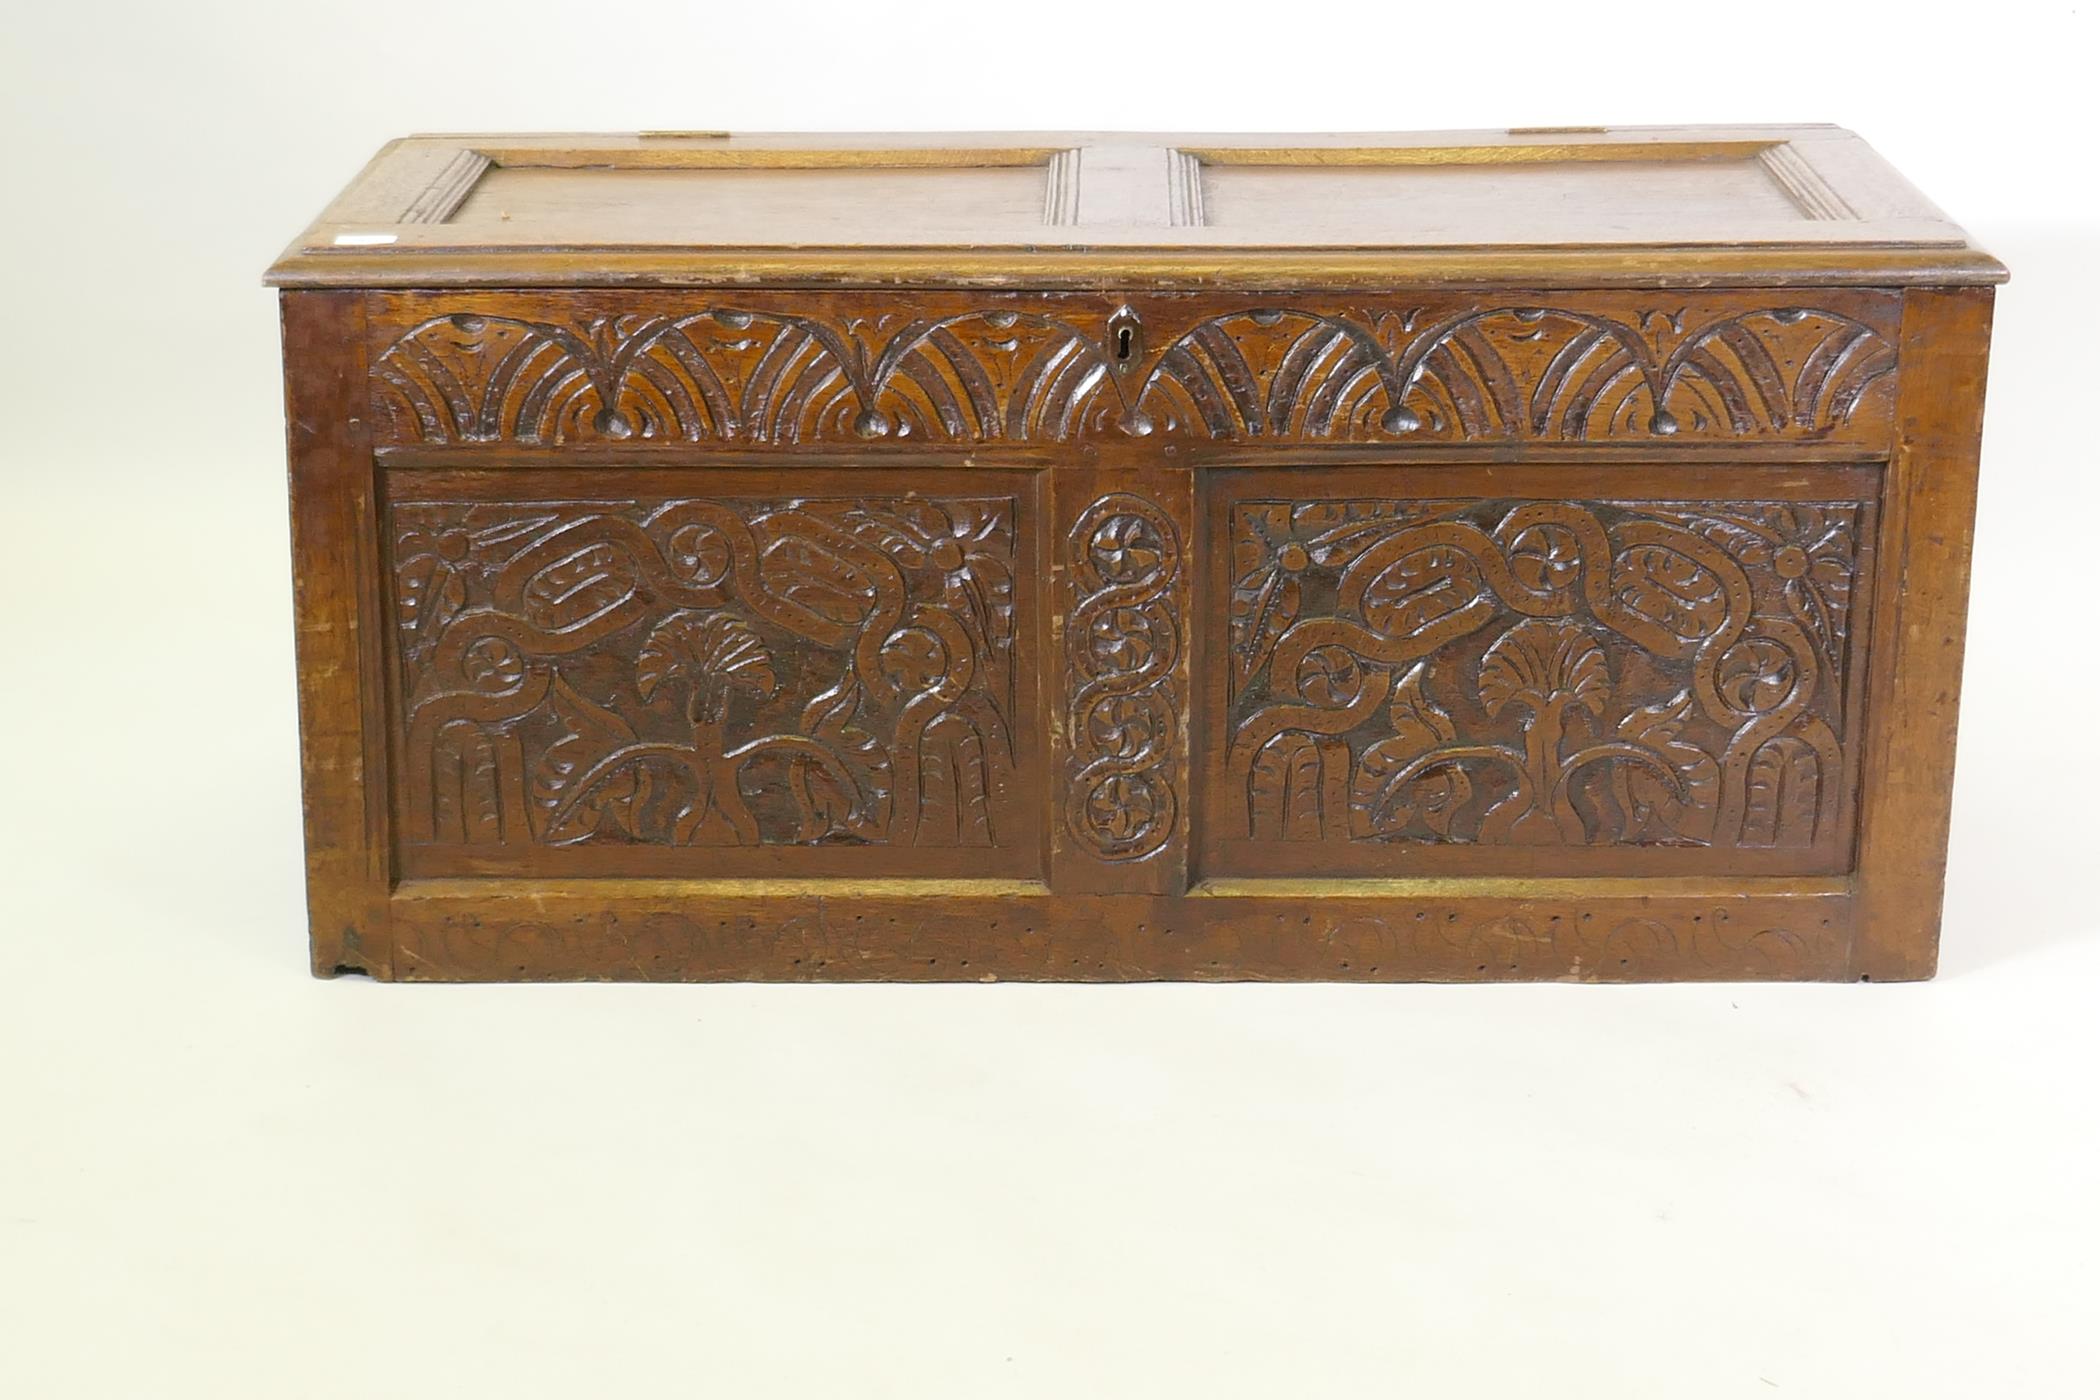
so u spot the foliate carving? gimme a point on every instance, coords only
(1529, 673)
(1050, 370)
(733, 375)
(1123, 643)
(1518, 372)
(703, 672)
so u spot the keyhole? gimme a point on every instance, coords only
(1127, 335)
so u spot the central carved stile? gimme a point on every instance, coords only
(1123, 642)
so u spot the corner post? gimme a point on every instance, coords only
(336, 609)
(1921, 612)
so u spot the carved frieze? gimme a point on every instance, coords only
(761, 372)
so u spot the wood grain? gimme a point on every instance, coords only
(336, 613)
(568, 933)
(1919, 639)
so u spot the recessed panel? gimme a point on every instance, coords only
(1461, 674)
(1503, 200)
(857, 203)
(704, 681)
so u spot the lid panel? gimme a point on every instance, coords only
(1541, 201)
(651, 204)
(1553, 208)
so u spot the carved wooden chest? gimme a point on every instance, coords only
(1483, 555)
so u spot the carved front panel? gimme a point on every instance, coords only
(1532, 685)
(725, 684)
(771, 370)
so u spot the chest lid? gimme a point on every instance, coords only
(1561, 207)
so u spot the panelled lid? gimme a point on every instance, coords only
(1562, 207)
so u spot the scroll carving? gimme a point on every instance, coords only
(1123, 643)
(1047, 370)
(707, 672)
(1533, 673)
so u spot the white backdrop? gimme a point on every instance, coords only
(221, 1179)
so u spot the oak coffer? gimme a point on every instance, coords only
(1483, 555)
